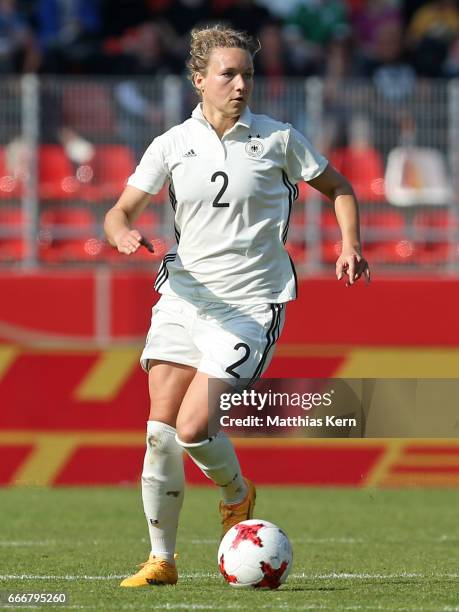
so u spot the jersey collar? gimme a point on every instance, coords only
(245, 119)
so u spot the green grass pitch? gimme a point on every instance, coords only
(353, 549)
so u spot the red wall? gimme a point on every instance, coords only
(47, 353)
(387, 312)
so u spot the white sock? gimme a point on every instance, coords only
(216, 458)
(162, 488)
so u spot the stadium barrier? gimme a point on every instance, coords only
(68, 145)
(74, 399)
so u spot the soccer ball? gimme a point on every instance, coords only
(255, 554)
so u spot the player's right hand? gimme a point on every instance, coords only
(128, 241)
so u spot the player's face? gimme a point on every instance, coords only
(228, 82)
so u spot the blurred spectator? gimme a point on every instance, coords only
(409, 8)
(69, 33)
(274, 58)
(360, 137)
(52, 130)
(120, 15)
(245, 15)
(320, 21)
(18, 51)
(158, 6)
(311, 26)
(367, 21)
(392, 109)
(431, 31)
(146, 54)
(279, 8)
(274, 64)
(339, 68)
(339, 64)
(179, 17)
(10, 104)
(388, 67)
(451, 64)
(144, 51)
(183, 15)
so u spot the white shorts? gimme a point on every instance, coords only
(223, 340)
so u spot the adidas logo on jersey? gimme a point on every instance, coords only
(190, 153)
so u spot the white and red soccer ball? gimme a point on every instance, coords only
(255, 554)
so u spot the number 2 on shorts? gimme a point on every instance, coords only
(230, 368)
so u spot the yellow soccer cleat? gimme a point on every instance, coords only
(155, 571)
(232, 514)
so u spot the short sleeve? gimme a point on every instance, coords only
(304, 162)
(151, 173)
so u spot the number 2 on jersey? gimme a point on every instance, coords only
(230, 368)
(217, 202)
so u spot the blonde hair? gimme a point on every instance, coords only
(204, 40)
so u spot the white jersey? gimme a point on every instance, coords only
(232, 199)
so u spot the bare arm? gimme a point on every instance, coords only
(119, 219)
(334, 186)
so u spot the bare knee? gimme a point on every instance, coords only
(193, 422)
(168, 383)
(191, 431)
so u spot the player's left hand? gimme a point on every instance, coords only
(352, 263)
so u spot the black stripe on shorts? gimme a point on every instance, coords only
(271, 338)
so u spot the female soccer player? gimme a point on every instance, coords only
(224, 285)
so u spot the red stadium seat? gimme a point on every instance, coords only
(149, 226)
(331, 250)
(11, 228)
(104, 178)
(297, 252)
(296, 236)
(10, 187)
(391, 221)
(385, 237)
(328, 218)
(68, 234)
(147, 223)
(436, 253)
(364, 168)
(304, 191)
(56, 178)
(432, 230)
(439, 219)
(331, 236)
(88, 109)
